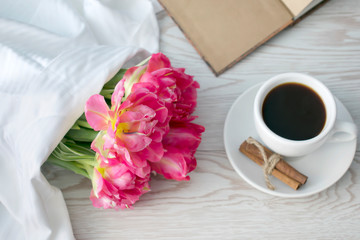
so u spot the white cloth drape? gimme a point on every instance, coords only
(54, 54)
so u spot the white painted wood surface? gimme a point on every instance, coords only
(216, 203)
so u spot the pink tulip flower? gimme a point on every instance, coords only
(180, 145)
(117, 187)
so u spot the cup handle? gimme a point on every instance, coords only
(343, 132)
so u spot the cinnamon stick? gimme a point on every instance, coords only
(283, 171)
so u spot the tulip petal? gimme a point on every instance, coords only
(118, 94)
(124, 156)
(132, 76)
(143, 171)
(137, 113)
(185, 136)
(158, 61)
(130, 72)
(132, 161)
(97, 112)
(98, 202)
(172, 165)
(120, 176)
(97, 182)
(153, 153)
(135, 142)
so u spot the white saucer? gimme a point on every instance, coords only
(323, 167)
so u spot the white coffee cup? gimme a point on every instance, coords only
(333, 130)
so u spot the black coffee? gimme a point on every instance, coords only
(294, 111)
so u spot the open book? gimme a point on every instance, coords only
(225, 31)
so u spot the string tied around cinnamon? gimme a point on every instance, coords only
(269, 162)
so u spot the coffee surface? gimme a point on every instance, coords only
(294, 111)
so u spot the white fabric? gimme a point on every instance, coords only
(54, 54)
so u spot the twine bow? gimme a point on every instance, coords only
(269, 163)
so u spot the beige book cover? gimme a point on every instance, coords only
(225, 31)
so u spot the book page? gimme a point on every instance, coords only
(223, 32)
(300, 7)
(296, 6)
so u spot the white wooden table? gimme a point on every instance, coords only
(217, 203)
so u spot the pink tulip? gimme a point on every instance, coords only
(117, 187)
(116, 182)
(180, 145)
(134, 127)
(173, 87)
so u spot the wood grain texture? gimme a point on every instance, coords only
(216, 203)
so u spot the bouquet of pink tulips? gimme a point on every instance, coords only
(135, 126)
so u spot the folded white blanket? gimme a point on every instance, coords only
(54, 54)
